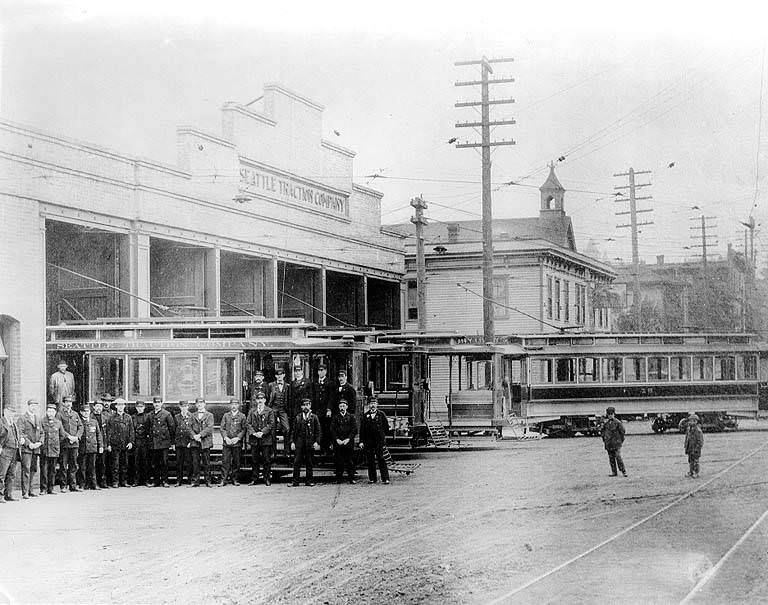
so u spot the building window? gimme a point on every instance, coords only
(549, 297)
(500, 296)
(453, 232)
(581, 304)
(558, 308)
(567, 300)
(413, 305)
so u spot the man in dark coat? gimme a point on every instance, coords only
(183, 443)
(73, 427)
(694, 441)
(304, 439)
(102, 413)
(232, 435)
(10, 454)
(31, 431)
(373, 430)
(343, 431)
(53, 435)
(280, 401)
(344, 391)
(91, 445)
(141, 429)
(323, 394)
(202, 442)
(260, 427)
(120, 439)
(612, 432)
(162, 428)
(259, 385)
(301, 389)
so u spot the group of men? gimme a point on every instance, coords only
(92, 448)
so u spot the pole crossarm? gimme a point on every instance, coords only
(491, 144)
(636, 224)
(636, 172)
(492, 123)
(630, 212)
(636, 187)
(479, 82)
(484, 60)
(480, 103)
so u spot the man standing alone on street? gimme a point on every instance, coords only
(612, 432)
(694, 441)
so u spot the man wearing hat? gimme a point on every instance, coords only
(304, 439)
(373, 431)
(694, 441)
(301, 388)
(53, 435)
(91, 445)
(343, 431)
(612, 432)
(183, 443)
(10, 453)
(31, 430)
(280, 400)
(61, 383)
(141, 430)
(346, 392)
(202, 442)
(162, 428)
(260, 428)
(103, 414)
(258, 386)
(232, 434)
(323, 393)
(73, 429)
(120, 440)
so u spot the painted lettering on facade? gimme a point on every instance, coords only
(256, 181)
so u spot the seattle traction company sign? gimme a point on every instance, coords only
(258, 181)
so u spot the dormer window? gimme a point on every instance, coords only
(453, 232)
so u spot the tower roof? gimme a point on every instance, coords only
(552, 182)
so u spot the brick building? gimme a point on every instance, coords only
(262, 218)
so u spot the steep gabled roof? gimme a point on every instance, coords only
(552, 182)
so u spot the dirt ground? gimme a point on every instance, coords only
(467, 526)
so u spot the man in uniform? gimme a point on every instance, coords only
(120, 440)
(258, 386)
(346, 392)
(53, 435)
(103, 414)
(61, 383)
(612, 432)
(183, 443)
(141, 429)
(301, 389)
(10, 453)
(31, 431)
(202, 442)
(162, 429)
(73, 428)
(323, 393)
(91, 444)
(304, 439)
(343, 431)
(260, 427)
(279, 401)
(373, 430)
(232, 433)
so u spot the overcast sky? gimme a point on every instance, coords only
(603, 89)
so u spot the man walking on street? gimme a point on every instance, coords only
(612, 432)
(31, 431)
(232, 433)
(10, 453)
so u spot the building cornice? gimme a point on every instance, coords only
(293, 95)
(232, 106)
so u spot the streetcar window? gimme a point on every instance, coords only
(612, 369)
(680, 368)
(725, 367)
(658, 368)
(565, 370)
(144, 377)
(541, 371)
(376, 373)
(589, 369)
(182, 378)
(702, 367)
(650, 340)
(634, 369)
(107, 376)
(219, 377)
(746, 368)
(397, 373)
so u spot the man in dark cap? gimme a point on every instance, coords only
(31, 431)
(305, 439)
(280, 400)
(103, 414)
(323, 393)
(344, 391)
(373, 431)
(61, 383)
(162, 428)
(301, 388)
(612, 432)
(183, 443)
(10, 454)
(694, 442)
(73, 428)
(53, 435)
(141, 429)
(259, 385)
(202, 442)
(260, 427)
(232, 434)
(120, 440)
(343, 431)
(91, 444)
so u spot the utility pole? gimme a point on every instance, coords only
(633, 225)
(703, 230)
(485, 124)
(421, 270)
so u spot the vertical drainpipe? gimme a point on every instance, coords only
(541, 292)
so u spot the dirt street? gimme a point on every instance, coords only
(468, 526)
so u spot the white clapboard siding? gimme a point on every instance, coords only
(438, 383)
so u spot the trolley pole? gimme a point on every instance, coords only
(421, 269)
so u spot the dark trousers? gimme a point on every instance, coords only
(325, 428)
(614, 457)
(140, 464)
(47, 473)
(693, 464)
(68, 467)
(374, 454)
(106, 461)
(160, 465)
(230, 462)
(28, 470)
(304, 454)
(261, 458)
(7, 472)
(183, 463)
(281, 418)
(343, 455)
(101, 475)
(87, 472)
(119, 466)
(201, 462)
